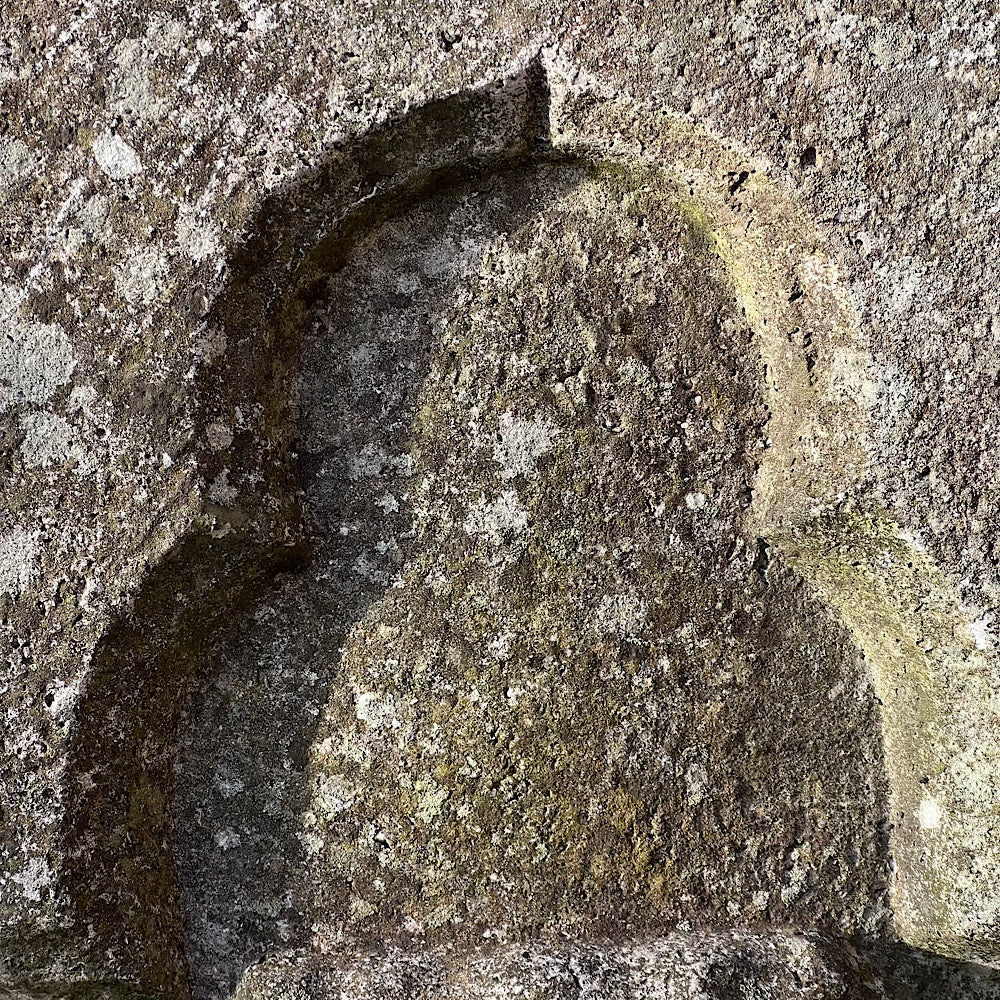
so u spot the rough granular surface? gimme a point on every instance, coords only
(544, 680)
(499, 500)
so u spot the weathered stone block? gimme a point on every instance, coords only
(472, 563)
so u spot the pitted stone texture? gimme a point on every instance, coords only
(536, 676)
(880, 118)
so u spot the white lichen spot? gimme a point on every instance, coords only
(332, 795)
(220, 491)
(636, 373)
(696, 779)
(35, 360)
(695, 501)
(228, 839)
(16, 163)
(377, 708)
(373, 461)
(138, 279)
(197, 234)
(514, 695)
(36, 876)
(982, 636)
(312, 843)
(219, 435)
(929, 814)
(116, 157)
(623, 615)
(48, 440)
(759, 901)
(20, 552)
(910, 280)
(360, 909)
(495, 519)
(82, 399)
(521, 442)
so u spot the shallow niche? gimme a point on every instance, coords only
(542, 675)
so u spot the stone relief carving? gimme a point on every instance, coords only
(549, 413)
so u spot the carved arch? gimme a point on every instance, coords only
(808, 499)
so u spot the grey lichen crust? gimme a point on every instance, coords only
(504, 494)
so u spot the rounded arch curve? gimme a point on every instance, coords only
(808, 498)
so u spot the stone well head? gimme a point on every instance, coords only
(535, 626)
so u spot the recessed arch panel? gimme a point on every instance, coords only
(549, 413)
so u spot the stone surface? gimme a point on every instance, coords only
(520, 681)
(498, 500)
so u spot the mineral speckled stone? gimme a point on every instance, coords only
(519, 686)
(498, 501)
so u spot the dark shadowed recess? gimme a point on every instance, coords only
(120, 887)
(250, 717)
